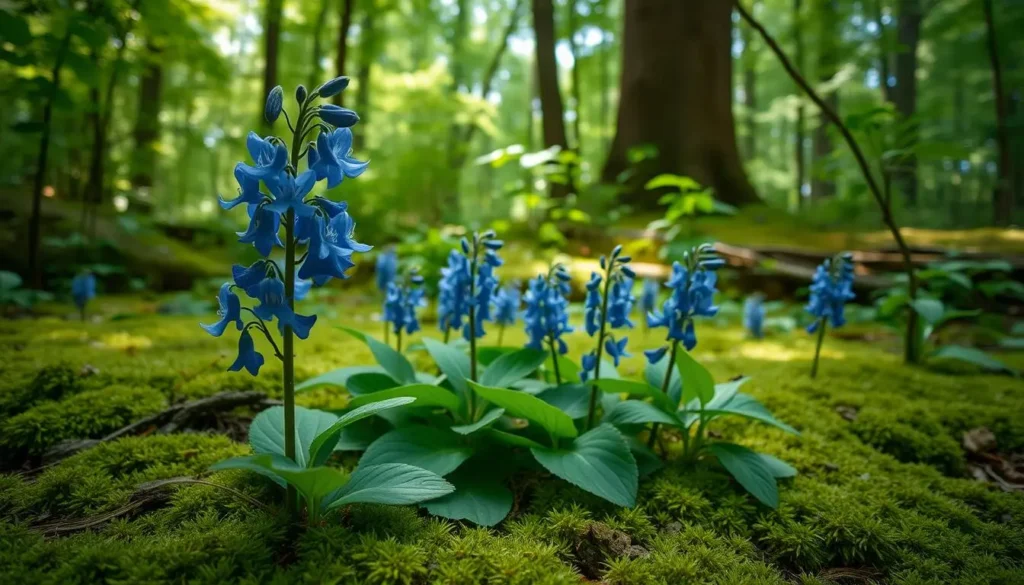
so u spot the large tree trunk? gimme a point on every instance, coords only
(1003, 194)
(551, 106)
(271, 40)
(749, 61)
(147, 123)
(675, 95)
(822, 184)
(801, 160)
(904, 95)
(344, 25)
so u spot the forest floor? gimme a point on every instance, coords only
(886, 491)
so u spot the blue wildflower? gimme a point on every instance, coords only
(753, 315)
(386, 269)
(262, 231)
(546, 316)
(654, 355)
(248, 357)
(620, 302)
(588, 364)
(230, 311)
(290, 194)
(453, 292)
(334, 87)
(506, 305)
(692, 295)
(592, 305)
(248, 190)
(649, 295)
(301, 94)
(401, 304)
(616, 349)
(831, 288)
(338, 116)
(270, 157)
(83, 289)
(330, 250)
(274, 105)
(332, 160)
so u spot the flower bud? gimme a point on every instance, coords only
(334, 87)
(275, 101)
(300, 94)
(338, 116)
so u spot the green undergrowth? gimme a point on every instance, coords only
(882, 498)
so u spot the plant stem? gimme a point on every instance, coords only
(600, 348)
(664, 390)
(398, 341)
(387, 334)
(554, 360)
(501, 333)
(472, 331)
(822, 324)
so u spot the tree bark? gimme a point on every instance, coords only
(551, 106)
(675, 93)
(577, 94)
(147, 123)
(367, 55)
(36, 222)
(271, 40)
(883, 51)
(749, 60)
(904, 95)
(1003, 194)
(822, 185)
(316, 72)
(344, 25)
(801, 161)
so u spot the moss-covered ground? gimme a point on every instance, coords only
(882, 498)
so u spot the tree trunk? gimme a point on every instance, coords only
(904, 95)
(749, 60)
(367, 54)
(577, 94)
(822, 184)
(35, 268)
(1002, 195)
(345, 24)
(271, 40)
(551, 106)
(801, 161)
(670, 49)
(883, 52)
(316, 72)
(147, 124)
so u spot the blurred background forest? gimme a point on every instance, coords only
(122, 119)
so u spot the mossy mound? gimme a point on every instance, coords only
(882, 495)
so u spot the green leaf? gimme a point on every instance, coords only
(480, 496)
(631, 412)
(697, 381)
(314, 483)
(325, 442)
(598, 461)
(266, 433)
(572, 399)
(533, 409)
(425, 395)
(393, 362)
(655, 376)
(930, 309)
(359, 435)
(726, 391)
(748, 407)
(672, 181)
(567, 369)
(512, 440)
(779, 468)
(437, 450)
(250, 463)
(486, 355)
(453, 363)
(637, 389)
(369, 382)
(392, 483)
(337, 377)
(484, 422)
(9, 280)
(512, 367)
(647, 462)
(750, 470)
(973, 356)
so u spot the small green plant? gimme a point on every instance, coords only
(12, 294)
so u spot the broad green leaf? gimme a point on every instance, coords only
(647, 462)
(512, 440)
(973, 356)
(453, 363)
(531, 386)
(631, 412)
(637, 390)
(392, 483)
(572, 399)
(250, 463)
(568, 371)
(359, 435)
(930, 309)
(750, 470)
(369, 383)
(393, 362)
(9, 280)
(266, 432)
(598, 461)
(339, 377)
(668, 180)
(533, 409)
(655, 376)
(512, 367)
(314, 483)
(697, 381)
(325, 442)
(748, 407)
(425, 395)
(487, 354)
(485, 421)
(779, 468)
(725, 392)
(437, 450)
(480, 497)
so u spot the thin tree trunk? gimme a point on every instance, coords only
(883, 51)
(577, 93)
(801, 161)
(344, 25)
(316, 72)
(822, 184)
(147, 123)
(671, 47)
(551, 105)
(271, 40)
(1003, 194)
(367, 55)
(605, 81)
(749, 60)
(36, 222)
(904, 95)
